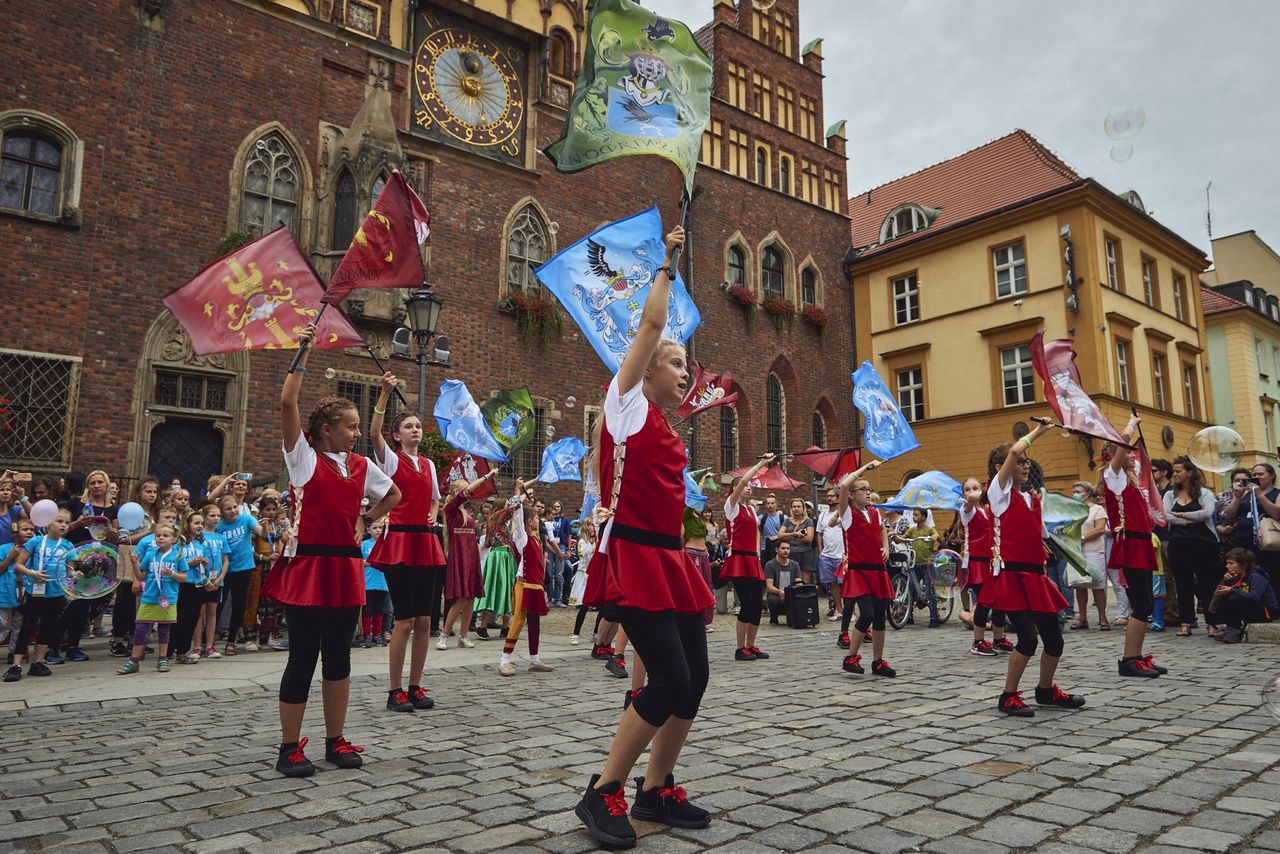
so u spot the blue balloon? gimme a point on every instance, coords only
(130, 516)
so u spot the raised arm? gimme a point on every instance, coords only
(1017, 452)
(290, 418)
(652, 321)
(1123, 455)
(735, 497)
(389, 383)
(842, 503)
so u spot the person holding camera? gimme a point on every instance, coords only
(779, 574)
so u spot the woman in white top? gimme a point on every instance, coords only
(1095, 525)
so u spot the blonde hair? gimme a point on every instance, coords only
(84, 496)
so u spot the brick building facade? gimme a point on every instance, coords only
(138, 135)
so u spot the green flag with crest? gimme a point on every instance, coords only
(510, 416)
(644, 88)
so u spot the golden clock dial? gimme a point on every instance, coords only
(469, 89)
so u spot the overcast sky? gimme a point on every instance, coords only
(920, 81)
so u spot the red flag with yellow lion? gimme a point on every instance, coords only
(258, 297)
(384, 252)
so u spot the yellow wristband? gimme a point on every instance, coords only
(380, 411)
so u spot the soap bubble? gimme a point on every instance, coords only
(1216, 449)
(1271, 696)
(330, 373)
(1124, 122)
(1120, 152)
(570, 401)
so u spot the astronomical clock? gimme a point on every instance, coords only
(468, 85)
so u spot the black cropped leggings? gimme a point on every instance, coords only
(316, 633)
(1141, 601)
(982, 614)
(750, 593)
(871, 613)
(673, 647)
(1028, 623)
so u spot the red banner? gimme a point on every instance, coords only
(470, 469)
(771, 478)
(1055, 362)
(258, 297)
(833, 465)
(1147, 479)
(707, 391)
(384, 253)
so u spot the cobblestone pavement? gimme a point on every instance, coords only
(792, 753)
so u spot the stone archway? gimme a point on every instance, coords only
(172, 383)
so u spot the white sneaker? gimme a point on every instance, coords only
(507, 669)
(251, 646)
(465, 642)
(191, 658)
(442, 642)
(573, 639)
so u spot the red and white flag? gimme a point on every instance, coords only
(707, 391)
(1147, 483)
(470, 469)
(1055, 362)
(384, 253)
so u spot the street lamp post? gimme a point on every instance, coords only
(423, 310)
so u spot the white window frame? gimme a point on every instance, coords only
(1148, 283)
(911, 393)
(890, 230)
(906, 291)
(1268, 430)
(1179, 298)
(1275, 361)
(1113, 269)
(1189, 390)
(1023, 369)
(1158, 371)
(1123, 359)
(1259, 355)
(1014, 268)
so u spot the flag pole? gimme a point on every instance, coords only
(302, 348)
(383, 368)
(684, 217)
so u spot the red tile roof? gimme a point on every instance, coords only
(1213, 302)
(1008, 170)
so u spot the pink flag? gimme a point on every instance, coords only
(1055, 362)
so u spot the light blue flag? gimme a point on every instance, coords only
(562, 460)
(932, 490)
(693, 496)
(590, 497)
(887, 434)
(462, 424)
(604, 279)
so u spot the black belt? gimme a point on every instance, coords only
(412, 529)
(309, 550)
(744, 554)
(1014, 566)
(1134, 535)
(645, 538)
(973, 559)
(865, 566)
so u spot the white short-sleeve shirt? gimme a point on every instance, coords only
(625, 414)
(390, 463)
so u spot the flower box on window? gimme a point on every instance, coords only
(537, 314)
(780, 309)
(815, 317)
(746, 300)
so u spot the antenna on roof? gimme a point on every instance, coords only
(1208, 210)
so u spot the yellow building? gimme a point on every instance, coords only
(1242, 331)
(956, 267)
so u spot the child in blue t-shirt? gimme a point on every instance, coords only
(23, 530)
(191, 594)
(215, 549)
(375, 593)
(159, 571)
(238, 526)
(42, 564)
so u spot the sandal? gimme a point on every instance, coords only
(1104, 626)
(1184, 631)
(1079, 624)
(1120, 621)
(229, 650)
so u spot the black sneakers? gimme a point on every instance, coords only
(842, 640)
(744, 654)
(1137, 666)
(759, 653)
(880, 667)
(342, 753)
(1010, 703)
(398, 701)
(853, 664)
(14, 673)
(667, 804)
(617, 665)
(293, 762)
(1055, 696)
(418, 697)
(39, 668)
(604, 812)
(1151, 662)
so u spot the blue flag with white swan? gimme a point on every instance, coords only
(932, 490)
(463, 425)
(604, 279)
(562, 460)
(887, 433)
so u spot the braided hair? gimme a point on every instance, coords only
(327, 412)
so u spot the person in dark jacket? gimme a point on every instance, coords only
(1244, 596)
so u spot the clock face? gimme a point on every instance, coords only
(469, 89)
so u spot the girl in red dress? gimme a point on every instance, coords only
(742, 566)
(464, 582)
(1133, 553)
(975, 520)
(1019, 586)
(643, 574)
(866, 581)
(320, 578)
(408, 552)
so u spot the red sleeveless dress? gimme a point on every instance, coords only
(865, 575)
(465, 579)
(326, 568)
(743, 560)
(407, 540)
(1132, 548)
(642, 563)
(977, 545)
(1020, 582)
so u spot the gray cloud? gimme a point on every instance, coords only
(920, 81)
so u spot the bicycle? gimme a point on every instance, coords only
(908, 593)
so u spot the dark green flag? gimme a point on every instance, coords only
(510, 416)
(644, 88)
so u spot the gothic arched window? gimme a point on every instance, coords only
(528, 242)
(344, 211)
(271, 186)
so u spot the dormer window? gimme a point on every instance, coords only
(904, 220)
(1134, 200)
